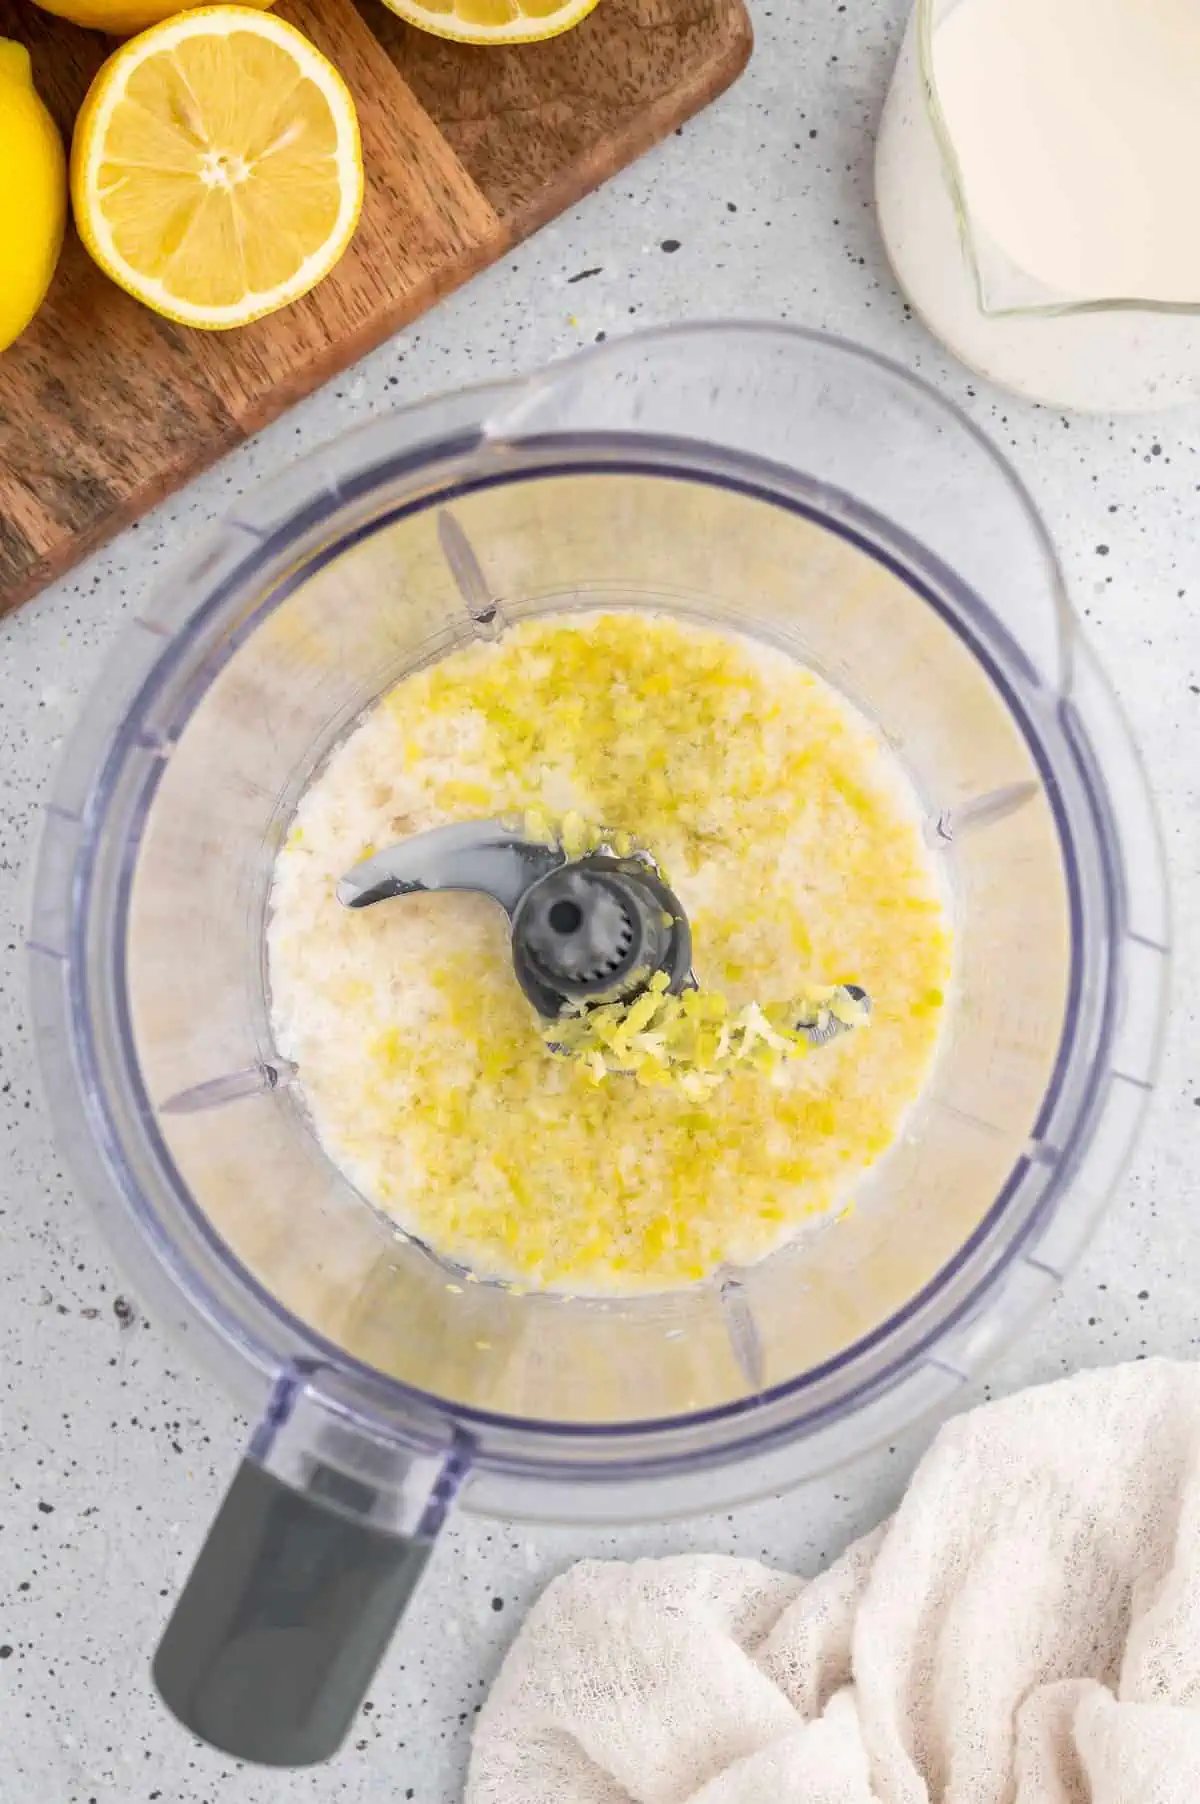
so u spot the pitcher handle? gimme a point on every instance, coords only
(305, 1573)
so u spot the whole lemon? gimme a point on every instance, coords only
(123, 18)
(33, 193)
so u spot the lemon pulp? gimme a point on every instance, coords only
(493, 21)
(216, 170)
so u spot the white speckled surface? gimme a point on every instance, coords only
(111, 1454)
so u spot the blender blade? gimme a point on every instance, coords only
(484, 856)
(584, 930)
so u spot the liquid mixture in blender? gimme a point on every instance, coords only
(792, 842)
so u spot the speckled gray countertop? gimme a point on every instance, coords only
(112, 1454)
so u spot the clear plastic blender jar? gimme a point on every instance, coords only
(773, 481)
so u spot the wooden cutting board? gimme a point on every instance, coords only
(105, 408)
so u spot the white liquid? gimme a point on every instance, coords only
(1077, 128)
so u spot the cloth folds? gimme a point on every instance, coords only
(1024, 1630)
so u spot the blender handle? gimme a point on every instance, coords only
(287, 1613)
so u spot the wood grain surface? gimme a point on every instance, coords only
(106, 408)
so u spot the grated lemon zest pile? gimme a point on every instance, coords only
(693, 1041)
(574, 835)
(796, 853)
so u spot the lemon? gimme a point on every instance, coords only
(493, 21)
(33, 193)
(216, 170)
(121, 18)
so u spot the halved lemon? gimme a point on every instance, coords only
(122, 18)
(493, 21)
(216, 169)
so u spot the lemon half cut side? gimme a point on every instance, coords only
(216, 169)
(493, 21)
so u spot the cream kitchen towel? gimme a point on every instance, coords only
(1024, 1630)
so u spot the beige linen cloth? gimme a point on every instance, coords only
(1024, 1630)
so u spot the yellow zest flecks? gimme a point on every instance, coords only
(797, 854)
(694, 1041)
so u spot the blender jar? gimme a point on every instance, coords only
(772, 481)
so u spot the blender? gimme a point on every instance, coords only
(769, 481)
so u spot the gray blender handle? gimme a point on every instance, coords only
(285, 1616)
